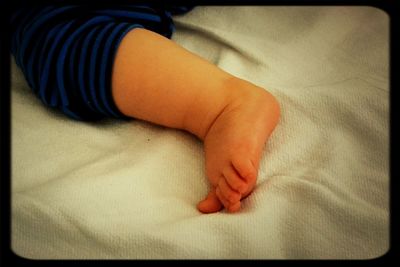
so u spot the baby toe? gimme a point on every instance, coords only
(210, 204)
(222, 198)
(231, 195)
(245, 168)
(235, 207)
(234, 180)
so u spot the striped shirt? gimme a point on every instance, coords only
(66, 52)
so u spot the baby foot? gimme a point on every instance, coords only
(234, 144)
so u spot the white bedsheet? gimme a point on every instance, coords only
(128, 190)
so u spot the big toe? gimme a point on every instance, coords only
(210, 204)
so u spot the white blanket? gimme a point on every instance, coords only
(128, 190)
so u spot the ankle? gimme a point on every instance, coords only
(205, 110)
(245, 96)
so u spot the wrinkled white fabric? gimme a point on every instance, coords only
(128, 190)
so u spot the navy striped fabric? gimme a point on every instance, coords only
(66, 52)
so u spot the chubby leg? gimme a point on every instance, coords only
(156, 80)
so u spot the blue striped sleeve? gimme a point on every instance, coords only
(66, 52)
